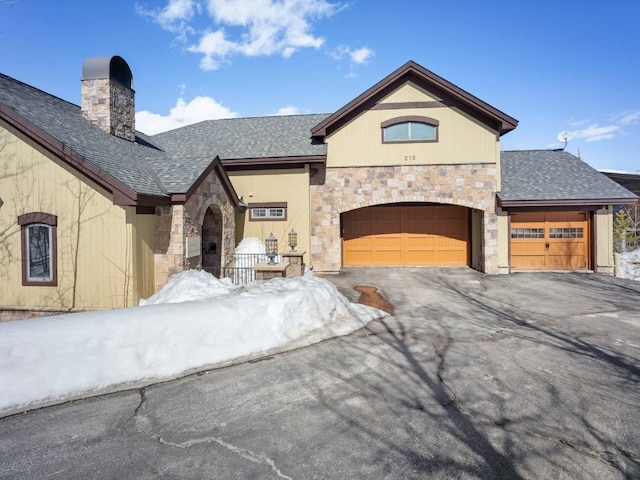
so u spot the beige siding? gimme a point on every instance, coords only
(286, 185)
(604, 240)
(503, 240)
(461, 139)
(410, 92)
(101, 247)
(144, 230)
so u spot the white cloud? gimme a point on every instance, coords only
(240, 27)
(174, 17)
(595, 132)
(268, 27)
(250, 28)
(358, 56)
(629, 118)
(183, 113)
(361, 55)
(215, 48)
(288, 110)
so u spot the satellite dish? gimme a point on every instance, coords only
(564, 136)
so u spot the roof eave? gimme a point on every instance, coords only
(567, 202)
(274, 161)
(122, 194)
(214, 167)
(504, 122)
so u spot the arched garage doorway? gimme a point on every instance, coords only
(408, 234)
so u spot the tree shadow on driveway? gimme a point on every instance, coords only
(509, 390)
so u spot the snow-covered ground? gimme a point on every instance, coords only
(195, 322)
(630, 265)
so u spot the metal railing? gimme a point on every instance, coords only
(240, 270)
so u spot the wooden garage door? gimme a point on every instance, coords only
(406, 235)
(550, 241)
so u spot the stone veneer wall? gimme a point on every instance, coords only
(174, 224)
(337, 190)
(110, 106)
(209, 193)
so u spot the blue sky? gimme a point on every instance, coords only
(555, 65)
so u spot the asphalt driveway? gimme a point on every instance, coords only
(522, 376)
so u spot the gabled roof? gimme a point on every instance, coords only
(450, 93)
(241, 141)
(137, 173)
(555, 177)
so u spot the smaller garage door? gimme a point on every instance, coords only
(406, 235)
(550, 241)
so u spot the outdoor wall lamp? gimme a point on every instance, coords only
(293, 240)
(271, 248)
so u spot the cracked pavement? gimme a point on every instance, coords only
(518, 377)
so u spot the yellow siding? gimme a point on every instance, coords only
(604, 240)
(409, 92)
(286, 185)
(462, 139)
(98, 259)
(503, 240)
(144, 231)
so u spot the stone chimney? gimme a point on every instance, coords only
(108, 99)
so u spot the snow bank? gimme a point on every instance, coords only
(188, 286)
(630, 265)
(52, 359)
(250, 245)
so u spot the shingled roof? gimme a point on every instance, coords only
(236, 140)
(59, 122)
(555, 177)
(137, 173)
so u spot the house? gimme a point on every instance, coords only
(94, 214)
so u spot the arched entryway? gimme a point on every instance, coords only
(409, 234)
(212, 240)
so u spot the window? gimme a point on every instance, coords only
(39, 249)
(410, 129)
(527, 233)
(267, 211)
(566, 232)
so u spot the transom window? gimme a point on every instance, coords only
(267, 211)
(566, 232)
(39, 242)
(410, 129)
(260, 213)
(527, 233)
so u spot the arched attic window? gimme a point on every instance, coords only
(410, 129)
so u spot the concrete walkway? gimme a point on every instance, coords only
(522, 376)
